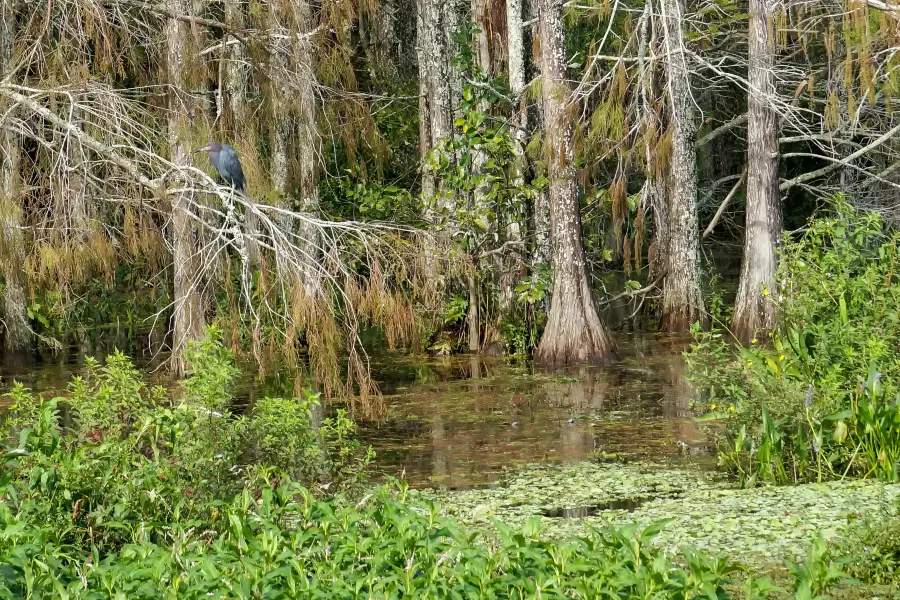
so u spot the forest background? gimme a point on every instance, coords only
(453, 176)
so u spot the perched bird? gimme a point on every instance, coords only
(225, 160)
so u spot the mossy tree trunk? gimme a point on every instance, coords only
(17, 333)
(574, 331)
(308, 150)
(682, 299)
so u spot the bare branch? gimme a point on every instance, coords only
(718, 215)
(724, 128)
(838, 163)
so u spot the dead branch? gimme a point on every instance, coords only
(718, 215)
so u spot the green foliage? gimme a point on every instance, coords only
(872, 551)
(821, 401)
(382, 202)
(131, 457)
(282, 431)
(816, 574)
(286, 544)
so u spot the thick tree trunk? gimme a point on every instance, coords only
(540, 208)
(189, 319)
(574, 331)
(755, 309)
(17, 333)
(682, 299)
(481, 19)
(434, 68)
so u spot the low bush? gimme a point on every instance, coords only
(872, 551)
(126, 454)
(821, 400)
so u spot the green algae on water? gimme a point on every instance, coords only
(762, 525)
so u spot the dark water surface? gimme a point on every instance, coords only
(459, 421)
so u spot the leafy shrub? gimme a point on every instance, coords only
(820, 401)
(286, 544)
(133, 455)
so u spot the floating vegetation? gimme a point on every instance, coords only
(757, 526)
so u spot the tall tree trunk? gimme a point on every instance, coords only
(437, 107)
(308, 151)
(189, 319)
(755, 310)
(17, 334)
(540, 209)
(434, 69)
(682, 299)
(574, 331)
(519, 130)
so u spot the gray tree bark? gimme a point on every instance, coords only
(189, 318)
(435, 75)
(574, 331)
(519, 130)
(540, 210)
(755, 311)
(236, 79)
(296, 136)
(308, 150)
(682, 299)
(17, 334)
(434, 68)
(12, 243)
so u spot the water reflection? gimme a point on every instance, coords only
(459, 421)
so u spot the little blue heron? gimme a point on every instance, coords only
(225, 160)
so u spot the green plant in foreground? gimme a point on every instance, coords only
(816, 574)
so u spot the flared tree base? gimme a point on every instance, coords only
(573, 337)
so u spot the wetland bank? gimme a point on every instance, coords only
(559, 454)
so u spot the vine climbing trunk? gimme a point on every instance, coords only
(189, 319)
(17, 333)
(755, 311)
(682, 298)
(574, 331)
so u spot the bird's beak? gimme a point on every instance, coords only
(203, 149)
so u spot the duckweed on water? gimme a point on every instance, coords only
(756, 526)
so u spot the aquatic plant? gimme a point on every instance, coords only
(820, 401)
